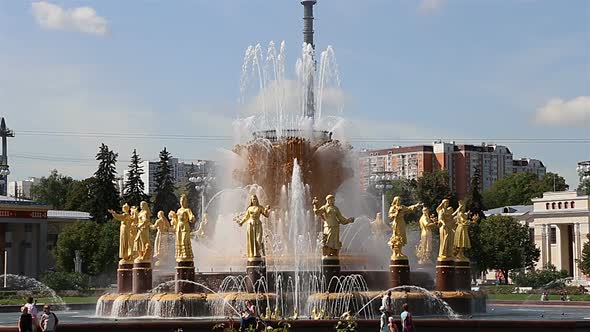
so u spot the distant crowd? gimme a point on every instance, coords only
(387, 323)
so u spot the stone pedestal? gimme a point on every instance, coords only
(330, 269)
(185, 270)
(445, 275)
(125, 278)
(255, 269)
(142, 277)
(462, 275)
(400, 272)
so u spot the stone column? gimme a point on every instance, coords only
(255, 269)
(29, 257)
(445, 274)
(399, 267)
(42, 263)
(330, 269)
(548, 232)
(142, 277)
(577, 251)
(125, 277)
(544, 245)
(185, 270)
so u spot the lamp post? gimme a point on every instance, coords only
(382, 182)
(584, 173)
(202, 181)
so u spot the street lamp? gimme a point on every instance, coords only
(202, 181)
(382, 182)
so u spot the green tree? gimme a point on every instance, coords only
(432, 188)
(506, 245)
(543, 278)
(474, 204)
(520, 188)
(584, 187)
(194, 199)
(165, 199)
(104, 193)
(53, 190)
(97, 243)
(79, 196)
(585, 261)
(134, 189)
(405, 189)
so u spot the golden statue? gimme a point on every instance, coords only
(202, 230)
(396, 247)
(424, 248)
(254, 239)
(162, 226)
(125, 239)
(133, 230)
(461, 241)
(332, 218)
(397, 214)
(378, 227)
(184, 217)
(142, 240)
(447, 224)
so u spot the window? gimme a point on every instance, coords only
(553, 205)
(573, 204)
(565, 205)
(553, 235)
(546, 206)
(559, 205)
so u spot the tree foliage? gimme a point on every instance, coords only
(79, 197)
(520, 188)
(506, 245)
(53, 190)
(585, 261)
(97, 242)
(194, 199)
(474, 204)
(104, 193)
(65, 281)
(432, 188)
(165, 199)
(134, 189)
(543, 278)
(584, 187)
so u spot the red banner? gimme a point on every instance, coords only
(23, 214)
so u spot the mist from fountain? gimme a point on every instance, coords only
(37, 288)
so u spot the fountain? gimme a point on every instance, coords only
(289, 151)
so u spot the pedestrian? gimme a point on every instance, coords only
(49, 320)
(406, 317)
(248, 316)
(25, 321)
(386, 302)
(391, 325)
(384, 319)
(32, 308)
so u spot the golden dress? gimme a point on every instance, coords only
(125, 239)
(142, 240)
(333, 218)
(461, 239)
(446, 231)
(161, 242)
(425, 247)
(184, 249)
(397, 214)
(254, 233)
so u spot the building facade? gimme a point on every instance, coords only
(460, 162)
(28, 232)
(561, 226)
(21, 189)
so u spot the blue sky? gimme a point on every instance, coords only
(429, 69)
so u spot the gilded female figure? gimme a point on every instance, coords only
(397, 215)
(184, 217)
(425, 247)
(133, 230)
(162, 226)
(461, 241)
(332, 218)
(142, 240)
(254, 239)
(125, 239)
(447, 224)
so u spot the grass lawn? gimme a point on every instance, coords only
(535, 297)
(68, 300)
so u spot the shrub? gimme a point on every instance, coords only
(500, 289)
(548, 277)
(65, 280)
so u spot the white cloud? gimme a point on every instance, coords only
(80, 19)
(430, 6)
(557, 112)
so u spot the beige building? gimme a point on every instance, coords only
(561, 222)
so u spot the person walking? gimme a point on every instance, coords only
(406, 317)
(49, 320)
(383, 320)
(386, 302)
(25, 321)
(32, 308)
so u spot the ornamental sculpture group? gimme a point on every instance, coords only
(135, 249)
